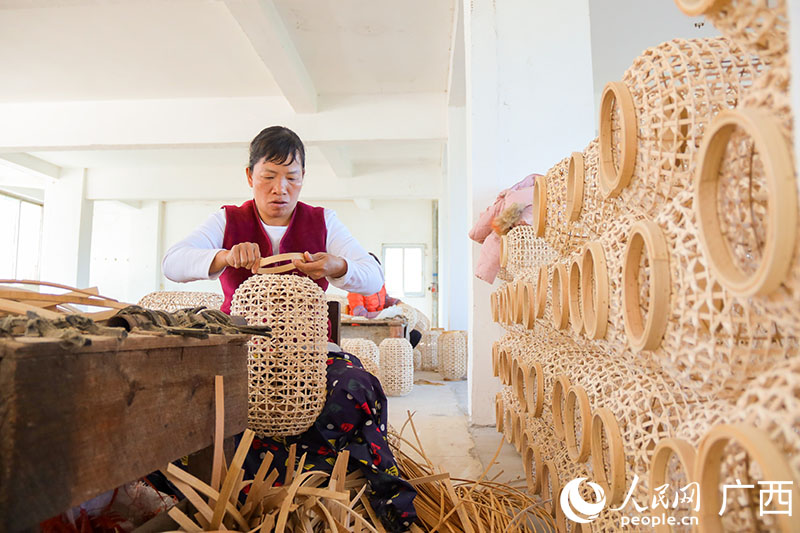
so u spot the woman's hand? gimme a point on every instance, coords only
(243, 255)
(321, 265)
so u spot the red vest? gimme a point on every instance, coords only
(372, 303)
(307, 232)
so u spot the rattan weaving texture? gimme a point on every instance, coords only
(396, 366)
(366, 351)
(171, 301)
(452, 354)
(286, 371)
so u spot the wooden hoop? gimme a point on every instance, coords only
(519, 301)
(516, 430)
(578, 451)
(549, 491)
(495, 360)
(658, 468)
(503, 251)
(695, 8)
(518, 371)
(604, 421)
(761, 449)
(499, 412)
(534, 389)
(559, 287)
(575, 177)
(532, 456)
(560, 390)
(508, 424)
(539, 205)
(541, 291)
(646, 334)
(503, 365)
(277, 259)
(594, 303)
(611, 179)
(781, 234)
(575, 311)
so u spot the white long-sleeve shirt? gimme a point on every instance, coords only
(190, 258)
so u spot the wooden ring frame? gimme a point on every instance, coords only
(278, 259)
(529, 294)
(516, 430)
(518, 371)
(612, 179)
(660, 462)
(503, 251)
(575, 311)
(646, 334)
(519, 301)
(578, 451)
(594, 300)
(532, 455)
(495, 359)
(560, 390)
(534, 389)
(508, 424)
(499, 412)
(695, 8)
(541, 291)
(575, 178)
(539, 205)
(604, 423)
(503, 365)
(781, 216)
(559, 288)
(762, 450)
(549, 491)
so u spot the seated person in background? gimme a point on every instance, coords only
(229, 246)
(372, 306)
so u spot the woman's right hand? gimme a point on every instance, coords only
(243, 255)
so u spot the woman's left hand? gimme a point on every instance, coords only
(321, 265)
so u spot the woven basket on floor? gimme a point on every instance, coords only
(171, 301)
(397, 366)
(453, 355)
(366, 351)
(287, 371)
(429, 346)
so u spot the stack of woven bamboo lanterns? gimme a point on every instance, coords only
(651, 311)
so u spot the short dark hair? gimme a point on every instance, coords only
(277, 144)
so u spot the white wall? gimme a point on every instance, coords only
(529, 103)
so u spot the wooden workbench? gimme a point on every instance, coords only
(74, 424)
(373, 329)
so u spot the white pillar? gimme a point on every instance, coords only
(67, 230)
(529, 103)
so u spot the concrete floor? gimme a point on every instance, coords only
(440, 416)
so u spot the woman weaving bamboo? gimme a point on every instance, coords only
(229, 246)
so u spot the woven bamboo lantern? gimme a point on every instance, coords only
(417, 359)
(286, 371)
(410, 315)
(526, 250)
(429, 346)
(453, 355)
(396, 366)
(172, 301)
(366, 351)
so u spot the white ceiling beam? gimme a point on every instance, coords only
(187, 122)
(216, 183)
(338, 159)
(29, 164)
(264, 27)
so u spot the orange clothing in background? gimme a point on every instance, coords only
(373, 303)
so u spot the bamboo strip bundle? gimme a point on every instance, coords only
(761, 27)
(287, 370)
(171, 301)
(18, 301)
(366, 351)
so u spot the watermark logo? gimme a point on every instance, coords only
(573, 504)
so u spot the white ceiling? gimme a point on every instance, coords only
(357, 61)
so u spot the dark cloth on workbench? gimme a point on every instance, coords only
(354, 418)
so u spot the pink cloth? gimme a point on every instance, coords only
(489, 258)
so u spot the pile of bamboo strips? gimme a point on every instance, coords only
(315, 501)
(19, 301)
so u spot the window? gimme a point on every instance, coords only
(404, 269)
(21, 235)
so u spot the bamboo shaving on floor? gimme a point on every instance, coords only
(315, 501)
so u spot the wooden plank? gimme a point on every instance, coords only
(75, 424)
(18, 308)
(18, 294)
